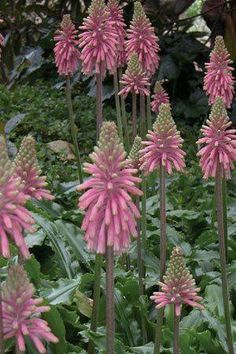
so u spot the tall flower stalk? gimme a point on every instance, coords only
(134, 81)
(67, 60)
(216, 160)
(110, 217)
(163, 151)
(178, 288)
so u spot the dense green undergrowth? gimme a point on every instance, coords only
(63, 271)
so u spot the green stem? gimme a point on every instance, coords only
(176, 334)
(73, 128)
(96, 299)
(134, 115)
(110, 304)
(118, 109)
(224, 193)
(2, 351)
(144, 216)
(221, 235)
(142, 116)
(124, 115)
(99, 112)
(163, 248)
(149, 115)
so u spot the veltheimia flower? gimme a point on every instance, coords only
(142, 40)
(219, 142)
(160, 96)
(21, 312)
(163, 146)
(110, 214)
(27, 168)
(218, 81)
(14, 217)
(134, 80)
(98, 40)
(178, 286)
(67, 54)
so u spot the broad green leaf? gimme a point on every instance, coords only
(61, 291)
(84, 304)
(58, 329)
(214, 299)
(144, 349)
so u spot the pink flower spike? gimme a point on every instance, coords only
(142, 40)
(115, 12)
(21, 312)
(218, 81)
(219, 142)
(14, 218)
(134, 79)
(178, 287)
(66, 52)
(110, 217)
(99, 40)
(1, 44)
(160, 96)
(27, 168)
(163, 146)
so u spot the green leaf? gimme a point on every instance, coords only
(61, 291)
(214, 298)
(84, 304)
(32, 266)
(58, 329)
(144, 349)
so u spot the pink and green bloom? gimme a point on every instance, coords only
(160, 96)
(133, 157)
(98, 40)
(21, 312)
(134, 80)
(66, 50)
(141, 39)
(115, 12)
(218, 81)
(14, 217)
(110, 214)
(27, 168)
(178, 286)
(219, 142)
(163, 146)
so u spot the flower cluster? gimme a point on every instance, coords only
(27, 168)
(134, 79)
(14, 218)
(66, 52)
(133, 158)
(98, 40)
(218, 81)
(178, 287)
(142, 40)
(115, 12)
(219, 141)
(20, 312)
(110, 213)
(163, 145)
(160, 96)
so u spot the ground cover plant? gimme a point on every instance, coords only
(117, 192)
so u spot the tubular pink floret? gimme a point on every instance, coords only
(134, 79)
(218, 81)
(163, 146)
(98, 40)
(21, 312)
(27, 168)
(14, 218)
(160, 96)
(115, 12)
(178, 285)
(219, 142)
(110, 217)
(66, 52)
(142, 40)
